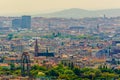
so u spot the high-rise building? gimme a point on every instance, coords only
(36, 48)
(16, 23)
(26, 22)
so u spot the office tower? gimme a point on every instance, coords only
(26, 22)
(16, 23)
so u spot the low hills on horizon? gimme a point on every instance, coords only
(81, 13)
(71, 13)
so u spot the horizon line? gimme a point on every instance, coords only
(50, 11)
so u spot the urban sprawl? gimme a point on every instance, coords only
(39, 48)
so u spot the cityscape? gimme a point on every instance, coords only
(61, 46)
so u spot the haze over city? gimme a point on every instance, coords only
(59, 40)
(46, 6)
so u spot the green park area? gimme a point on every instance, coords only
(66, 72)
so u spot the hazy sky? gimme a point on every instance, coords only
(20, 6)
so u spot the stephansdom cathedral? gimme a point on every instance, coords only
(46, 54)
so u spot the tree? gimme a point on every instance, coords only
(17, 72)
(52, 73)
(72, 65)
(40, 74)
(109, 76)
(12, 66)
(90, 75)
(37, 67)
(10, 36)
(34, 73)
(77, 71)
(68, 75)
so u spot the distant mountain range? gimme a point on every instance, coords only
(80, 13)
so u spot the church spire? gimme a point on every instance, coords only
(36, 48)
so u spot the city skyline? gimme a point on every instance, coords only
(79, 42)
(46, 6)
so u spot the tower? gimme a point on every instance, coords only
(47, 50)
(26, 22)
(104, 16)
(25, 64)
(16, 23)
(36, 48)
(109, 51)
(98, 28)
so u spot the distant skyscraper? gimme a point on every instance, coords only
(26, 22)
(16, 23)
